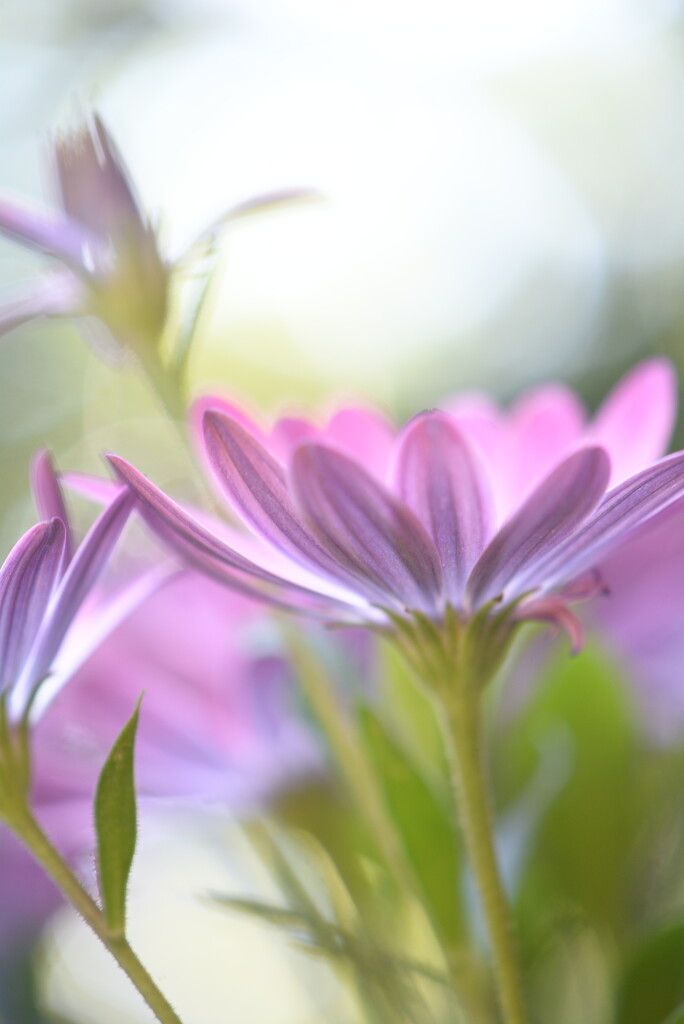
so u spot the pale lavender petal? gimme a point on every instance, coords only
(85, 567)
(208, 553)
(367, 529)
(48, 495)
(635, 422)
(557, 507)
(439, 479)
(45, 231)
(27, 581)
(97, 620)
(255, 482)
(623, 509)
(95, 187)
(56, 294)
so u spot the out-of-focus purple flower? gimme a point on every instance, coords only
(108, 260)
(43, 594)
(218, 721)
(110, 264)
(354, 524)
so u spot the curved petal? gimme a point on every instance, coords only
(557, 507)
(85, 567)
(200, 548)
(27, 581)
(48, 495)
(47, 232)
(547, 424)
(623, 509)
(288, 432)
(635, 422)
(373, 535)
(255, 483)
(439, 479)
(553, 609)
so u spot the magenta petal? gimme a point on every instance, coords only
(202, 549)
(48, 495)
(373, 535)
(255, 482)
(27, 581)
(438, 478)
(623, 509)
(555, 509)
(85, 567)
(635, 422)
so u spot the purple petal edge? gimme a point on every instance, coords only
(438, 477)
(622, 510)
(557, 507)
(27, 580)
(370, 532)
(85, 567)
(200, 548)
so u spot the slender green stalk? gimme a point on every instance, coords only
(462, 727)
(29, 831)
(358, 774)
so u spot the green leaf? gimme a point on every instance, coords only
(676, 1017)
(653, 984)
(116, 825)
(424, 819)
(576, 737)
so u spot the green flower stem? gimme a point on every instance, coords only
(357, 773)
(25, 826)
(461, 705)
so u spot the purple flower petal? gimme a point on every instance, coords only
(48, 495)
(56, 294)
(255, 482)
(202, 549)
(95, 488)
(85, 567)
(635, 421)
(47, 232)
(438, 478)
(374, 536)
(555, 509)
(27, 581)
(95, 187)
(622, 510)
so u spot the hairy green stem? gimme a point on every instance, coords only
(30, 833)
(462, 726)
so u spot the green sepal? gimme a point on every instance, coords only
(116, 825)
